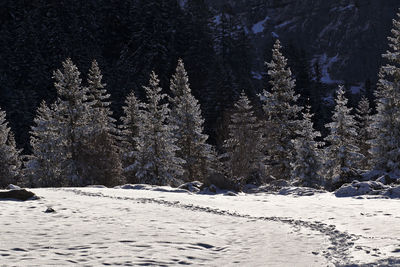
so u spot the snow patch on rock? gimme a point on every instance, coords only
(259, 26)
(376, 188)
(13, 187)
(326, 64)
(300, 191)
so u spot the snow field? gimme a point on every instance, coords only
(99, 226)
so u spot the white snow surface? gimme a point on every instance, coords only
(256, 75)
(285, 23)
(143, 226)
(326, 64)
(259, 26)
(274, 34)
(217, 19)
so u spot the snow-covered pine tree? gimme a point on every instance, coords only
(307, 165)
(103, 164)
(158, 163)
(364, 131)
(244, 148)
(10, 164)
(44, 166)
(281, 113)
(342, 155)
(188, 123)
(131, 122)
(15, 156)
(385, 147)
(72, 113)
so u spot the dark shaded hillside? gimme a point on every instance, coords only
(128, 39)
(351, 34)
(223, 56)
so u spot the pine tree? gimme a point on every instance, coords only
(158, 163)
(342, 155)
(131, 122)
(72, 112)
(307, 165)
(188, 128)
(364, 131)
(44, 166)
(244, 146)
(386, 146)
(281, 115)
(9, 155)
(15, 156)
(103, 164)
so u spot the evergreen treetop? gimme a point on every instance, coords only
(187, 121)
(158, 163)
(282, 112)
(385, 147)
(342, 155)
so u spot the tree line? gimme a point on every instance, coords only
(76, 141)
(129, 39)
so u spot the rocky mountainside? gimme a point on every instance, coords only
(347, 37)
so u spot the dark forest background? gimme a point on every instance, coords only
(131, 38)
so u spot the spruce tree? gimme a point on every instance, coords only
(101, 153)
(44, 166)
(342, 155)
(307, 165)
(188, 128)
(10, 163)
(244, 148)
(364, 131)
(72, 113)
(131, 122)
(281, 112)
(386, 145)
(158, 163)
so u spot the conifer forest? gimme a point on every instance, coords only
(211, 112)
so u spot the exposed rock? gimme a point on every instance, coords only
(393, 192)
(272, 185)
(363, 188)
(220, 181)
(213, 188)
(20, 194)
(300, 191)
(49, 210)
(279, 183)
(193, 187)
(250, 188)
(372, 175)
(386, 180)
(230, 193)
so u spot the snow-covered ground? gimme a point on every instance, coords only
(99, 226)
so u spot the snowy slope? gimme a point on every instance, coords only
(99, 226)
